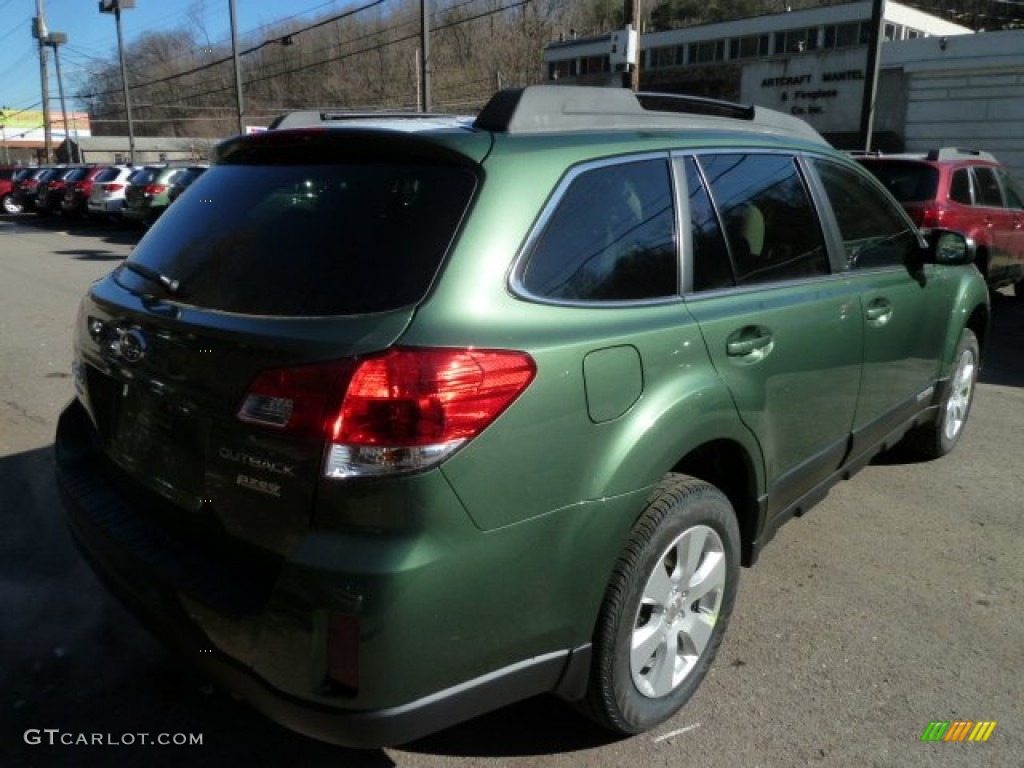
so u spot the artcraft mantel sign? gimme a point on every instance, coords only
(807, 99)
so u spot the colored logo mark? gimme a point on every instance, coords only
(958, 730)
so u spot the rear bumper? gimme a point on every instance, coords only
(246, 619)
(109, 207)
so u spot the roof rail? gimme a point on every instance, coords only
(960, 153)
(316, 117)
(545, 108)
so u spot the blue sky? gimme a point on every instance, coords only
(92, 35)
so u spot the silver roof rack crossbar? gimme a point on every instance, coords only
(959, 153)
(546, 108)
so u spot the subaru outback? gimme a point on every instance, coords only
(400, 420)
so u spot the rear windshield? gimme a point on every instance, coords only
(143, 176)
(908, 182)
(307, 240)
(108, 174)
(76, 174)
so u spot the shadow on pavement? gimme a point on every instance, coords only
(115, 233)
(1004, 361)
(75, 661)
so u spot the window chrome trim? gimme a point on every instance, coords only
(514, 281)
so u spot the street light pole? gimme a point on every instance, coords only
(115, 6)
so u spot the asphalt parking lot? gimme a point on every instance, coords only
(894, 603)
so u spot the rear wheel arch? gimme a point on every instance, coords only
(978, 322)
(728, 466)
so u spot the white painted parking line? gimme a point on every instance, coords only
(678, 732)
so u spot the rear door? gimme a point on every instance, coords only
(1013, 196)
(784, 333)
(998, 220)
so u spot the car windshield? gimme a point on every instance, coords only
(908, 182)
(307, 240)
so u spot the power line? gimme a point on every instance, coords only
(211, 64)
(349, 54)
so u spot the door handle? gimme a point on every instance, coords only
(879, 311)
(745, 346)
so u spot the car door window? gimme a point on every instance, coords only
(610, 238)
(708, 253)
(875, 234)
(1014, 198)
(960, 186)
(987, 188)
(770, 226)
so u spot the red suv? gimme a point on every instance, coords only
(966, 190)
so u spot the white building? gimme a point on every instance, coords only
(939, 83)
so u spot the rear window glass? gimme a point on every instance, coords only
(108, 174)
(143, 176)
(307, 240)
(908, 182)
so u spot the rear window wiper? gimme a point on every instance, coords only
(168, 283)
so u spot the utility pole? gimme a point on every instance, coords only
(238, 69)
(39, 32)
(867, 109)
(53, 40)
(424, 56)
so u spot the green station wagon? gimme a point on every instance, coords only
(406, 418)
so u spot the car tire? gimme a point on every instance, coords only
(940, 436)
(10, 205)
(654, 642)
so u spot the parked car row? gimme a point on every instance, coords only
(105, 191)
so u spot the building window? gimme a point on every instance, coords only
(892, 32)
(847, 35)
(750, 47)
(663, 57)
(707, 52)
(559, 69)
(796, 40)
(594, 65)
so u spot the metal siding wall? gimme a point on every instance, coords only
(977, 108)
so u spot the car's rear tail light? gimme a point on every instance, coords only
(400, 411)
(154, 189)
(112, 187)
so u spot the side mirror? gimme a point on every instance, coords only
(948, 247)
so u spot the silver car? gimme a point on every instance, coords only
(107, 196)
